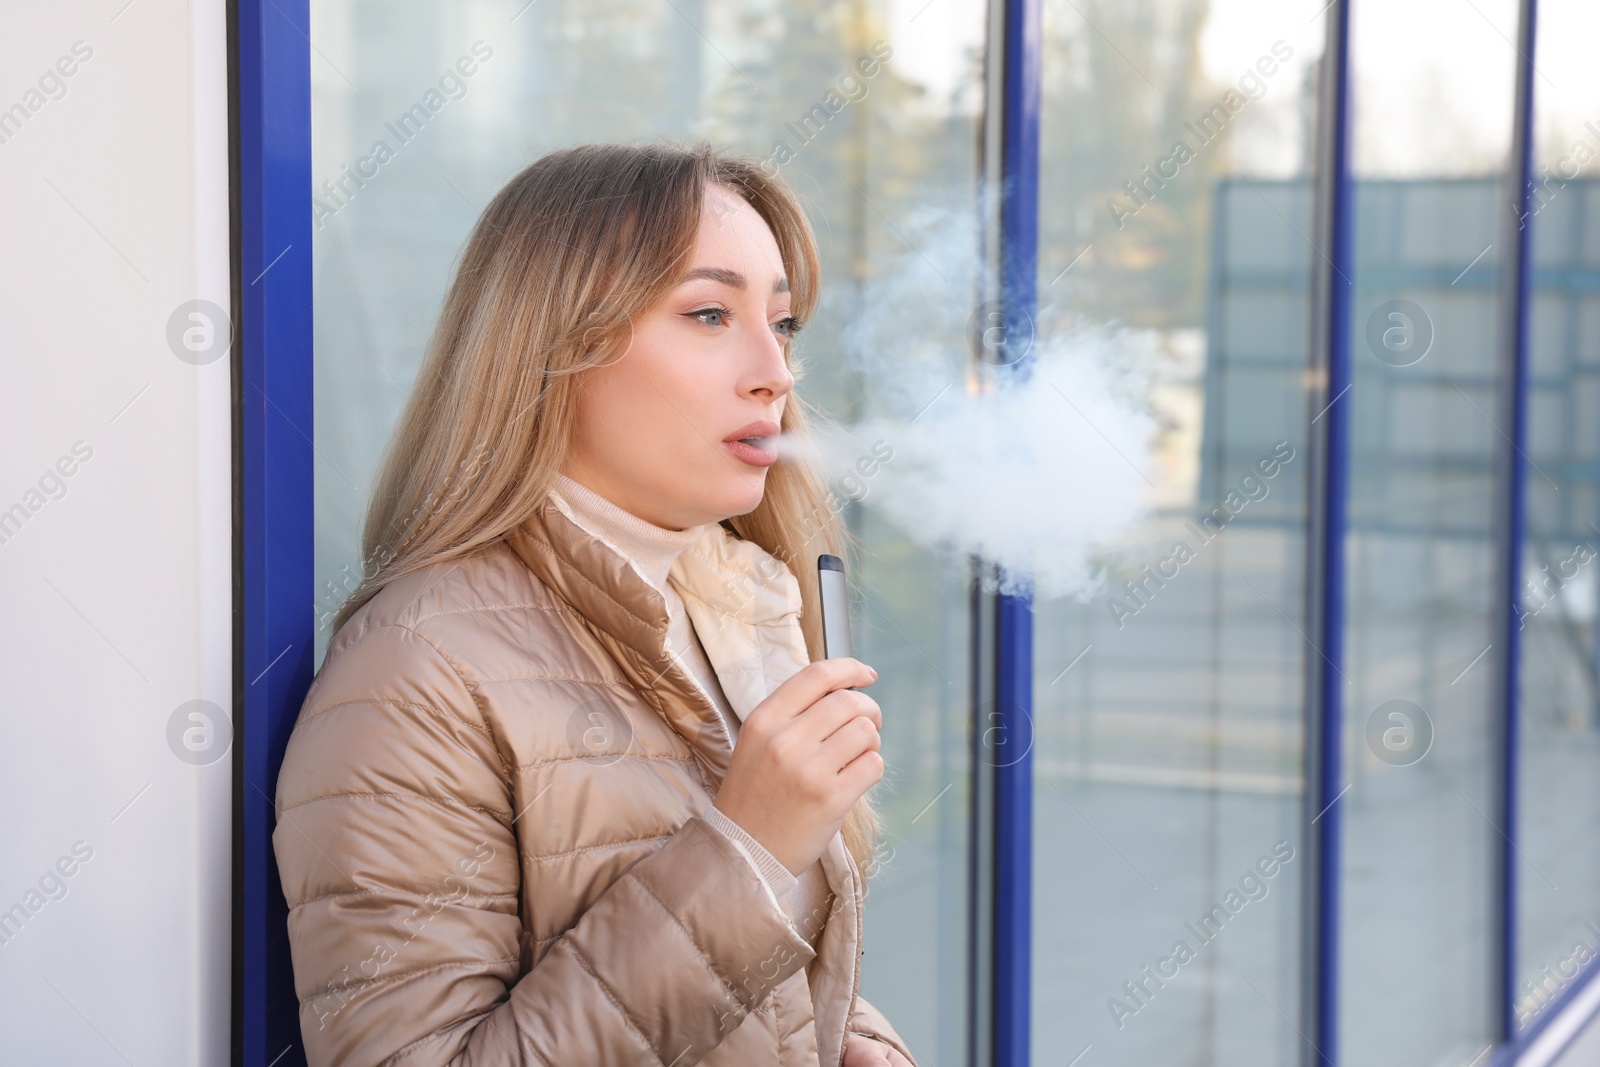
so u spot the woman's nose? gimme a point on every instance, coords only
(769, 373)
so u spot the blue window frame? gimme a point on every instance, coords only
(274, 584)
(1013, 680)
(1325, 600)
(1512, 417)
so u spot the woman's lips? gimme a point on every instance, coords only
(756, 451)
(755, 443)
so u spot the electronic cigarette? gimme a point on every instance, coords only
(835, 607)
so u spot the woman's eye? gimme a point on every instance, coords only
(787, 326)
(718, 314)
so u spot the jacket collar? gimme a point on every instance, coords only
(744, 604)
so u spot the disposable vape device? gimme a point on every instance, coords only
(835, 607)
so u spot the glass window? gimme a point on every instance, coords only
(1558, 891)
(1430, 133)
(1175, 209)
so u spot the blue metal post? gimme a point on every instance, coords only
(274, 578)
(1512, 387)
(1019, 233)
(1330, 444)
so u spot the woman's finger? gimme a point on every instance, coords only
(834, 711)
(813, 682)
(848, 743)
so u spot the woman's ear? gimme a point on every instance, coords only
(595, 338)
(594, 333)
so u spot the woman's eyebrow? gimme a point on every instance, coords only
(729, 277)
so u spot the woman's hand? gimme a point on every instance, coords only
(804, 756)
(862, 1051)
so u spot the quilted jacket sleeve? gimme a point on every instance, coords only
(870, 1022)
(397, 851)
(774, 875)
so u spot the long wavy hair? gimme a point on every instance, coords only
(574, 248)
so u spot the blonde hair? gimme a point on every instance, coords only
(574, 248)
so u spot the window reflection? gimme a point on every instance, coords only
(1558, 920)
(1176, 207)
(1430, 139)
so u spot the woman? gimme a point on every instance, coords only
(514, 826)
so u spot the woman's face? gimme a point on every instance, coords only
(660, 426)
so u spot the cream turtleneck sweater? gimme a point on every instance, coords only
(652, 550)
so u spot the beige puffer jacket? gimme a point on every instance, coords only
(490, 828)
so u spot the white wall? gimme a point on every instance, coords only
(114, 582)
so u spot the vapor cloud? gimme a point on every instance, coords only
(1038, 472)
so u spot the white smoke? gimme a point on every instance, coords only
(1039, 472)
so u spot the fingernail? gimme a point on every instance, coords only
(874, 673)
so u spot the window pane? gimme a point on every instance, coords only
(1431, 93)
(1559, 777)
(407, 151)
(1175, 199)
